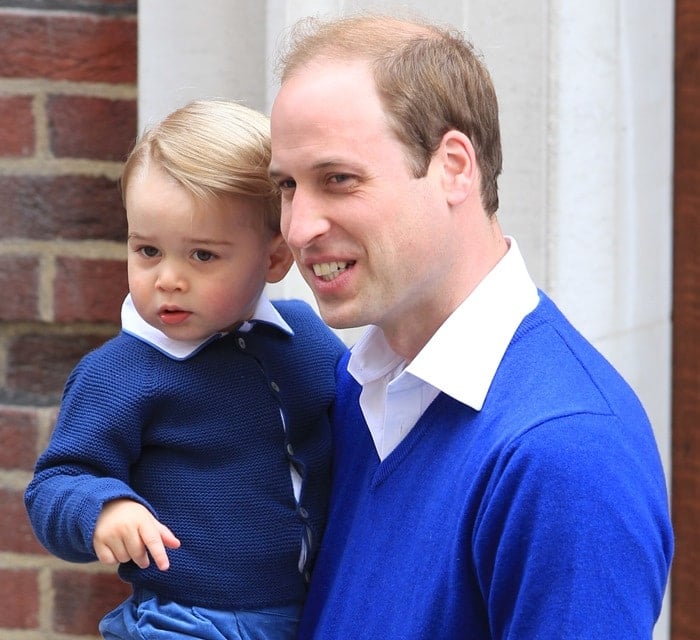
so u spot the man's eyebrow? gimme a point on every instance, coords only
(330, 163)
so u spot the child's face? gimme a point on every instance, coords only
(195, 267)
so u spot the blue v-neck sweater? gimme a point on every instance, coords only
(542, 516)
(200, 443)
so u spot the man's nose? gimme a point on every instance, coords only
(303, 219)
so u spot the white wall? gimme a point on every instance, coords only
(585, 93)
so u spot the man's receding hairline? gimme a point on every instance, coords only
(409, 29)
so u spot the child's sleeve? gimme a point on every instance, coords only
(86, 464)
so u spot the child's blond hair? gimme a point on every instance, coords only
(213, 148)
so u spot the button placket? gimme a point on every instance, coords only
(295, 464)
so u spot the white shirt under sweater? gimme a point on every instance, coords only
(460, 359)
(134, 324)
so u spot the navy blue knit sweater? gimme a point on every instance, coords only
(201, 444)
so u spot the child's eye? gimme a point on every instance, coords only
(285, 185)
(202, 255)
(148, 252)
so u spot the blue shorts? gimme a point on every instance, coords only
(147, 617)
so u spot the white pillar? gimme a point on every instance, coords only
(610, 186)
(207, 49)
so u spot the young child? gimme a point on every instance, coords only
(193, 448)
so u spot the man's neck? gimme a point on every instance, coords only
(409, 331)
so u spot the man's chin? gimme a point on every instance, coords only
(338, 318)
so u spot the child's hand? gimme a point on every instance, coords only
(126, 530)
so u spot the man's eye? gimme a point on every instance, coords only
(148, 252)
(203, 256)
(340, 178)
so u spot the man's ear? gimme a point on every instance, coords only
(281, 259)
(460, 171)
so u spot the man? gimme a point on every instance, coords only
(494, 476)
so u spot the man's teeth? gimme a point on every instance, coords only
(329, 270)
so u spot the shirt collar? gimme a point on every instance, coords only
(462, 357)
(135, 325)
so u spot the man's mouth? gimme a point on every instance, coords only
(330, 270)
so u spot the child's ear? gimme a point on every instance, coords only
(281, 259)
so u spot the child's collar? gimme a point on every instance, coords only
(135, 325)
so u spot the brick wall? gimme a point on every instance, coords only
(67, 119)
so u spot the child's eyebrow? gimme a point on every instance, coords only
(207, 241)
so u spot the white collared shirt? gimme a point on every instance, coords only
(460, 359)
(135, 325)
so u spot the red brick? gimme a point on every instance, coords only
(37, 364)
(89, 290)
(19, 436)
(83, 598)
(87, 127)
(17, 132)
(16, 532)
(66, 207)
(19, 283)
(79, 48)
(19, 594)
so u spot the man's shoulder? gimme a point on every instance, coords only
(550, 366)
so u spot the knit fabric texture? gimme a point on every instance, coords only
(542, 516)
(201, 443)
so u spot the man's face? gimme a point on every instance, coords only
(365, 233)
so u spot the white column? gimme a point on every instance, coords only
(207, 49)
(610, 185)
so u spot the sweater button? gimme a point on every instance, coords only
(241, 343)
(290, 449)
(274, 386)
(303, 513)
